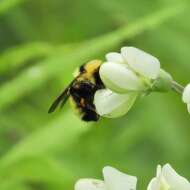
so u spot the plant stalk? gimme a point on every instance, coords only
(177, 87)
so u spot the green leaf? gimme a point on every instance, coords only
(45, 140)
(5, 5)
(16, 57)
(38, 171)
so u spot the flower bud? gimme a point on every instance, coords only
(111, 105)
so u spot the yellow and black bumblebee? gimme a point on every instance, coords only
(81, 91)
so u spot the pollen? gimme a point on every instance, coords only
(82, 102)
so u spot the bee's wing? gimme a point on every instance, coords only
(61, 99)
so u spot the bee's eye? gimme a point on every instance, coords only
(82, 69)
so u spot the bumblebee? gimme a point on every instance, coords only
(81, 91)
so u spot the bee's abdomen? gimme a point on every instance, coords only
(90, 116)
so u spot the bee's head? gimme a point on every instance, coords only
(87, 70)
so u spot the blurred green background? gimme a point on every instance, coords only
(41, 43)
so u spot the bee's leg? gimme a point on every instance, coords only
(98, 81)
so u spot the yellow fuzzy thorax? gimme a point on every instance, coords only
(90, 68)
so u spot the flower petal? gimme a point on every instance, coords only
(114, 57)
(110, 104)
(174, 180)
(158, 171)
(119, 78)
(188, 107)
(116, 180)
(90, 184)
(154, 184)
(141, 62)
(186, 94)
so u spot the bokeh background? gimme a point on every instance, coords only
(41, 43)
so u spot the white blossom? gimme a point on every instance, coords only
(130, 70)
(186, 96)
(111, 105)
(141, 62)
(119, 78)
(167, 179)
(113, 180)
(90, 184)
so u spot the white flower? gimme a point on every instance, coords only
(113, 180)
(111, 105)
(167, 179)
(90, 184)
(130, 70)
(186, 97)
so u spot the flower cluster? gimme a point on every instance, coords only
(128, 75)
(166, 179)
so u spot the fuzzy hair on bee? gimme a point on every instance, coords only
(81, 91)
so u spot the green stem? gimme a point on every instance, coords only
(177, 87)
